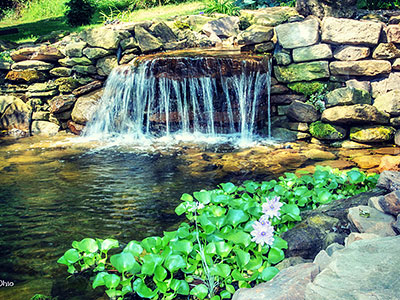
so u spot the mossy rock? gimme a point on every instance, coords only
(302, 72)
(307, 88)
(372, 134)
(66, 84)
(325, 131)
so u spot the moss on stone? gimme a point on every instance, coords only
(307, 88)
(66, 84)
(324, 131)
(181, 25)
(372, 134)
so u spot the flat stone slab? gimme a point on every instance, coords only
(298, 34)
(360, 68)
(367, 269)
(351, 114)
(369, 220)
(315, 52)
(347, 31)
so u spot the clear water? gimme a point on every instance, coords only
(52, 194)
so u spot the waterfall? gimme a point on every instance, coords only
(194, 96)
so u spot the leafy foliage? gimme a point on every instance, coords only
(378, 4)
(212, 253)
(79, 12)
(222, 6)
(317, 99)
(255, 4)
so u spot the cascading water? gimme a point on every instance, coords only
(185, 96)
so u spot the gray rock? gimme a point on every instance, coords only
(286, 99)
(361, 85)
(106, 64)
(315, 52)
(291, 261)
(358, 113)
(223, 28)
(396, 64)
(32, 64)
(16, 114)
(284, 134)
(396, 123)
(346, 31)
(360, 68)
(129, 43)
(298, 126)
(270, 16)
(289, 284)
(95, 53)
(302, 112)
(42, 87)
(61, 72)
(255, 34)
(322, 260)
(396, 225)
(44, 128)
(5, 102)
(390, 203)
(332, 248)
(40, 116)
(353, 273)
(85, 106)
(374, 203)
(369, 220)
(389, 181)
(384, 85)
(70, 62)
(389, 103)
(283, 57)
(393, 34)
(146, 42)
(302, 71)
(348, 52)
(163, 32)
(61, 103)
(264, 47)
(325, 8)
(355, 236)
(347, 96)
(75, 49)
(104, 37)
(84, 70)
(298, 34)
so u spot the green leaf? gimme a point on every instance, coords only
(239, 237)
(123, 262)
(142, 289)
(174, 263)
(222, 270)
(72, 256)
(88, 245)
(210, 248)
(275, 255)
(218, 211)
(99, 279)
(290, 209)
(222, 248)
(63, 261)
(236, 217)
(203, 197)
(324, 196)
(183, 232)
(134, 248)
(200, 291)
(255, 263)
(207, 225)
(181, 208)
(225, 295)
(280, 190)
(279, 243)
(180, 286)
(183, 246)
(186, 197)
(228, 187)
(221, 199)
(355, 176)
(242, 258)
(152, 244)
(150, 262)
(160, 273)
(111, 281)
(230, 288)
(269, 273)
(108, 244)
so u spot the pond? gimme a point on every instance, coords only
(57, 190)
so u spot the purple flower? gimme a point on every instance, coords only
(264, 221)
(263, 234)
(201, 13)
(271, 207)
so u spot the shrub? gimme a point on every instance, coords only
(231, 239)
(378, 4)
(79, 12)
(222, 6)
(255, 4)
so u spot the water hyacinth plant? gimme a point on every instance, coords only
(230, 240)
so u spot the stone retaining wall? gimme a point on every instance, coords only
(52, 87)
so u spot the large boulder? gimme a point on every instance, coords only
(346, 31)
(327, 8)
(315, 52)
(289, 284)
(15, 114)
(298, 34)
(360, 68)
(352, 273)
(358, 113)
(106, 64)
(389, 103)
(348, 52)
(95, 53)
(255, 34)
(302, 112)
(104, 37)
(43, 53)
(384, 85)
(85, 106)
(146, 41)
(347, 96)
(372, 134)
(61, 103)
(163, 32)
(74, 49)
(223, 28)
(44, 128)
(270, 16)
(302, 71)
(325, 131)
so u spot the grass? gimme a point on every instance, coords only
(42, 17)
